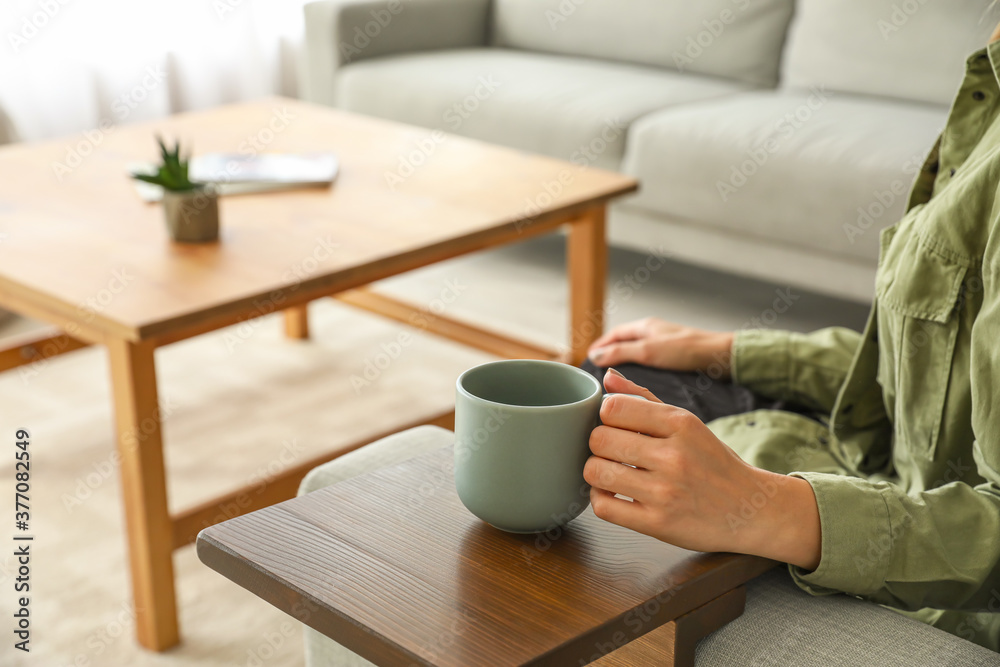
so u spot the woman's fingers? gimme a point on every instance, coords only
(654, 419)
(615, 510)
(616, 477)
(615, 444)
(629, 331)
(614, 354)
(616, 383)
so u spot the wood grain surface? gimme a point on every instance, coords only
(391, 565)
(120, 276)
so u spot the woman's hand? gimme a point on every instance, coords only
(689, 488)
(660, 344)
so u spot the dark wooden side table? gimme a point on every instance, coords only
(392, 566)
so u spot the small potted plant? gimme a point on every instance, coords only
(191, 208)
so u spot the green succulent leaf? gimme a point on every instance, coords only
(173, 173)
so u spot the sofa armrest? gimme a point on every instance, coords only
(339, 32)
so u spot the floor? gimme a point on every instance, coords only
(245, 401)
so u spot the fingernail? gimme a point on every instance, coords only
(596, 355)
(614, 372)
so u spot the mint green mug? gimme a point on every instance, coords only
(522, 438)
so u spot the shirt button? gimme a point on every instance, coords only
(979, 96)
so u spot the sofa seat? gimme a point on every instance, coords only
(567, 107)
(801, 168)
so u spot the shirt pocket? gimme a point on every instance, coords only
(917, 289)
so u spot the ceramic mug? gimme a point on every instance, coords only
(522, 438)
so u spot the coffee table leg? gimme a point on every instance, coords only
(587, 258)
(297, 322)
(148, 522)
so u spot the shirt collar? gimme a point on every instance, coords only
(992, 56)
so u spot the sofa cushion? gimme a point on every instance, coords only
(783, 625)
(737, 39)
(807, 169)
(570, 108)
(909, 49)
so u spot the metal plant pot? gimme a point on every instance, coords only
(192, 215)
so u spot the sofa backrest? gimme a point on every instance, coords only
(908, 49)
(736, 39)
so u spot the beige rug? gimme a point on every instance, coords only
(245, 400)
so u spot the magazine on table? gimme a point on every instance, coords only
(235, 173)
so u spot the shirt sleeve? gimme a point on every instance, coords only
(807, 369)
(939, 548)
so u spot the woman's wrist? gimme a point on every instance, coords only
(717, 355)
(788, 526)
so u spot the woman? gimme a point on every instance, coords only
(868, 462)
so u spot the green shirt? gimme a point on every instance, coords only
(905, 462)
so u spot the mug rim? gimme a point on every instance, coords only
(599, 388)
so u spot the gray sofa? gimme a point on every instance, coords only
(773, 138)
(782, 625)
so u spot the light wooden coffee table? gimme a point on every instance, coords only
(81, 252)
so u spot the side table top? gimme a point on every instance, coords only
(392, 566)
